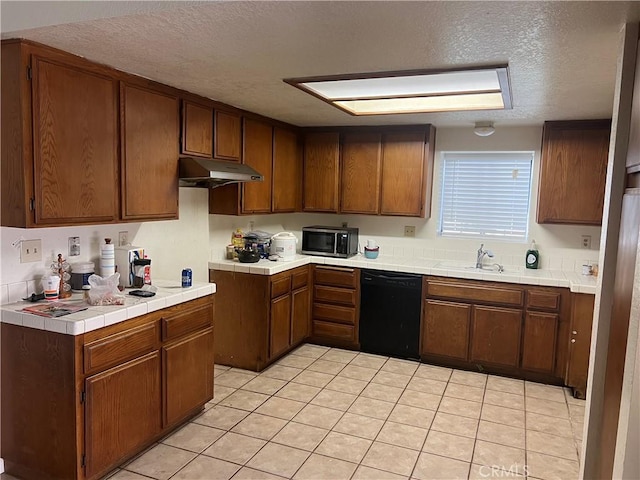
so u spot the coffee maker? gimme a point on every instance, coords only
(125, 258)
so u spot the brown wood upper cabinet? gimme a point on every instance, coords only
(573, 171)
(273, 152)
(257, 153)
(407, 173)
(67, 174)
(227, 136)
(197, 129)
(321, 172)
(287, 171)
(382, 171)
(361, 172)
(150, 139)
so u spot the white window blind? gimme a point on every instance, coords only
(486, 194)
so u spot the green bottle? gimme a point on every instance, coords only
(533, 257)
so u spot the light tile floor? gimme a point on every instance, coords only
(325, 413)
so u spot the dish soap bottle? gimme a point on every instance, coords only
(532, 258)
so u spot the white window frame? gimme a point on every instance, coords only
(451, 225)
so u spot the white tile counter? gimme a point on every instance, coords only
(550, 278)
(167, 295)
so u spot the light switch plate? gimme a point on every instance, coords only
(31, 251)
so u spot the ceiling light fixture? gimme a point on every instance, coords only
(484, 129)
(414, 91)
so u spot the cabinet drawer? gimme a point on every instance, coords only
(185, 322)
(336, 276)
(299, 278)
(280, 285)
(334, 313)
(334, 330)
(475, 292)
(334, 295)
(120, 347)
(544, 300)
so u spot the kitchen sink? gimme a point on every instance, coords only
(465, 267)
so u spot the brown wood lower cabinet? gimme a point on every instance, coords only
(514, 330)
(260, 317)
(336, 306)
(446, 329)
(121, 412)
(540, 334)
(495, 336)
(188, 381)
(75, 407)
(580, 343)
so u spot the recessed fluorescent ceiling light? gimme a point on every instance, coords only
(484, 88)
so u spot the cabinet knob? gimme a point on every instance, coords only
(573, 340)
(574, 332)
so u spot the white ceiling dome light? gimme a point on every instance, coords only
(484, 129)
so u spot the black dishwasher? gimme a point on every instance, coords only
(390, 313)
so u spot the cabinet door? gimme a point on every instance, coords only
(539, 343)
(287, 171)
(188, 375)
(227, 136)
(75, 140)
(300, 315)
(321, 172)
(258, 147)
(197, 129)
(580, 343)
(445, 329)
(495, 336)
(280, 325)
(122, 412)
(573, 170)
(360, 179)
(403, 174)
(150, 140)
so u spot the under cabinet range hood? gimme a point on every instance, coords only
(209, 173)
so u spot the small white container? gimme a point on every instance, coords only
(80, 273)
(50, 285)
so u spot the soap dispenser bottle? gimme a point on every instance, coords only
(532, 258)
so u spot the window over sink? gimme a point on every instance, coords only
(485, 195)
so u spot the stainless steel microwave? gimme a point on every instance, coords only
(330, 241)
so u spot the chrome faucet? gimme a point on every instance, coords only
(481, 254)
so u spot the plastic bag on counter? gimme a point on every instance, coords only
(104, 291)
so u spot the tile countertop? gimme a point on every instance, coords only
(167, 295)
(551, 278)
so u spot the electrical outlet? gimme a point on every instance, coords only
(345, 224)
(31, 251)
(409, 231)
(586, 241)
(123, 238)
(74, 246)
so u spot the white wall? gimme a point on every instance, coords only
(171, 245)
(558, 244)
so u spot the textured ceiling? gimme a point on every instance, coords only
(562, 55)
